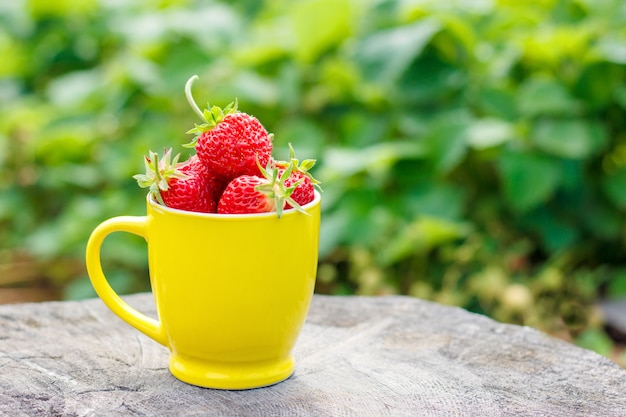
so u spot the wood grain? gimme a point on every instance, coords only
(357, 356)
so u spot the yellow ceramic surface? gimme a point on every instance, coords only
(232, 291)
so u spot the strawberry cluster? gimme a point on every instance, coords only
(232, 170)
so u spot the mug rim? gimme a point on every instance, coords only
(155, 205)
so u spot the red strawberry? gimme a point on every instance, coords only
(304, 182)
(229, 143)
(254, 194)
(184, 186)
(304, 191)
(233, 147)
(241, 196)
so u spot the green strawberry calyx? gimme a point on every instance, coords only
(303, 167)
(211, 116)
(159, 171)
(276, 189)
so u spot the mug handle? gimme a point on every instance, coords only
(132, 224)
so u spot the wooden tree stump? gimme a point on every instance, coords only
(357, 356)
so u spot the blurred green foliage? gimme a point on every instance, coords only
(472, 152)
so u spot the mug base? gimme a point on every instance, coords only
(230, 376)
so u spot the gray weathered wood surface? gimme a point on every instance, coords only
(356, 356)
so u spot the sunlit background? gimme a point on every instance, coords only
(472, 152)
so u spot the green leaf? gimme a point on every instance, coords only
(446, 140)
(620, 96)
(462, 30)
(614, 187)
(422, 235)
(616, 287)
(252, 87)
(342, 162)
(527, 179)
(499, 103)
(333, 230)
(603, 221)
(487, 133)
(385, 55)
(429, 81)
(435, 199)
(556, 232)
(613, 48)
(17, 56)
(543, 96)
(569, 138)
(320, 24)
(598, 84)
(596, 340)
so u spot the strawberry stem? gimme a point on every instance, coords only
(190, 99)
(211, 116)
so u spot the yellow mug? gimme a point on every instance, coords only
(232, 291)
